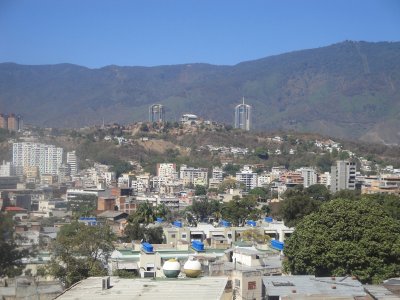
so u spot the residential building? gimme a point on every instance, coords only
(325, 179)
(243, 116)
(167, 170)
(309, 176)
(48, 158)
(12, 123)
(248, 177)
(156, 113)
(3, 121)
(343, 176)
(72, 162)
(194, 176)
(7, 169)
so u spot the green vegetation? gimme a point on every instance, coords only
(10, 254)
(80, 251)
(138, 223)
(346, 237)
(299, 202)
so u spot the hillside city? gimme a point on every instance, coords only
(236, 219)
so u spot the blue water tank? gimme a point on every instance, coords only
(225, 223)
(268, 219)
(177, 224)
(198, 246)
(160, 220)
(147, 247)
(251, 223)
(277, 245)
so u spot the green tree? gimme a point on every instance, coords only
(144, 127)
(80, 251)
(10, 255)
(239, 210)
(299, 202)
(231, 169)
(261, 153)
(120, 166)
(200, 190)
(346, 237)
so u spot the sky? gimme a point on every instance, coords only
(96, 33)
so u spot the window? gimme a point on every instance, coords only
(184, 235)
(237, 282)
(251, 285)
(173, 235)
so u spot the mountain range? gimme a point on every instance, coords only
(348, 90)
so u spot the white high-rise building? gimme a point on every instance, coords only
(72, 162)
(343, 176)
(48, 158)
(243, 116)
(156, 113)
(309, 176)
(248, 177)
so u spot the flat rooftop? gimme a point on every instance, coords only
(206, 288)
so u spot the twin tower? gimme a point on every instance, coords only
(242, 115)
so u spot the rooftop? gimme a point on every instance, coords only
(204, 287)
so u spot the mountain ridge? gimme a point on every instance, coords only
(349, 90)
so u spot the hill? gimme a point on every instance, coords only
(348, 90)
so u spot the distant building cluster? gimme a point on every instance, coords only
(11, 122)
(242, 116)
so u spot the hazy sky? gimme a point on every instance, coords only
(96, 33)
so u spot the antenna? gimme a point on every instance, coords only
(243, 100)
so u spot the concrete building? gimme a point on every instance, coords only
(343, 176)
(189, 118)
(325, 179)
(156, 113)
(243, 116)
(311, 287)
(72, 162)
(48, 158)
(7, 169)
(195, 176)
(309, 176)
(147, 288)
(248, 177)
(3, 121)
(12, 122)
(167, 170)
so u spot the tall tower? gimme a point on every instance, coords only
(72, 162)
(156, 113)
(243, 116)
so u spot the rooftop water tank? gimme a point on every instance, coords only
(171, 268)
(192, 268)
(177, 224)
(277, 245)
(268, 219)
(198, 246)
(147, 247)
(251, 223)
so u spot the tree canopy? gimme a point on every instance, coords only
(346, 237)
(80, 251)
(10, 255)
(299, 202)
